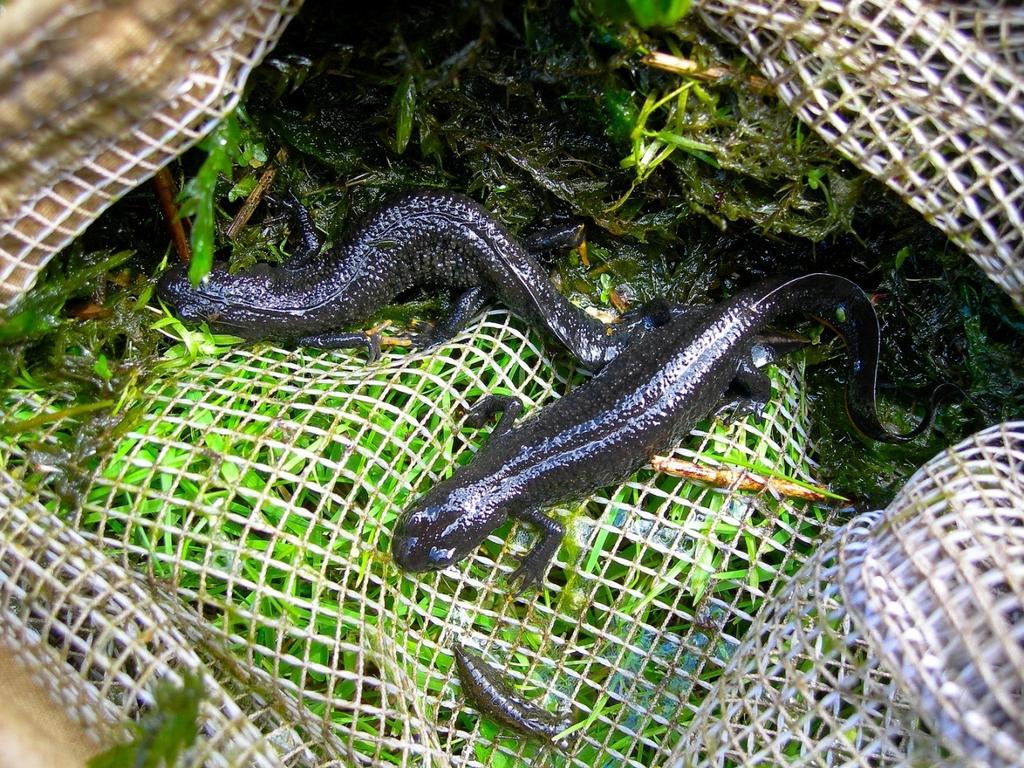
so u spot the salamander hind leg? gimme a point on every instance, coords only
(345, 340)
(534, 564)
(467, 307)
(509, 406)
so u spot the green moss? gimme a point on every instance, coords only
(81, 330)
(164, 733)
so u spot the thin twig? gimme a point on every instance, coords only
(163, 185)
(681, 66)
(254, 198)
(388, 341)
(739, 479)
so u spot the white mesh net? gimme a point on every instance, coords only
(238, 528)
(901, 642)
(927, 97)
(126, 88)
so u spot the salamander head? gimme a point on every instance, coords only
(229, 300)
(443, 527)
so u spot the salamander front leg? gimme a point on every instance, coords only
(509, 406)
(753, 390)
(637, 322)
(563, 236)
(535, 563)
(345, 340)
(466, 308)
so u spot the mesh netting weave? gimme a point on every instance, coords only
(901, 642)
(257, 564)
(96, 97)
(926, 97)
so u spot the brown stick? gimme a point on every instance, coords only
(740, 479)
(254, 198)
(681, 66)
(163, 185)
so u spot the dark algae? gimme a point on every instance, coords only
(490, 693)
(423, 238)
(641, 403)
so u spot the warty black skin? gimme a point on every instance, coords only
(489, 692)
(642, 403)
(424, 238)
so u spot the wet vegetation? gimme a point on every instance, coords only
(164, 733)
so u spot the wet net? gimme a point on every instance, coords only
(236, 521)
(900, 642)
(928, 97)
(96, 97)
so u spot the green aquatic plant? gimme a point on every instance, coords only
(163, 734)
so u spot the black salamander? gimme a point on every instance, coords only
(424, 238)
(490, 694)
(642, 403)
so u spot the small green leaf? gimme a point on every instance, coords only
(814, 177)
(242, 189)
(144, 296)
(606, 287)
(658, 13)
(102, 368)
(202, 242)
(404, 105)
(620, 113)
(223, 150)
(683, 142)
(901, 255)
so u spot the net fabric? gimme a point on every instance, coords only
(126, 88)
(96, 639)
(996, 24)
(900, 642)
(927, 97)
(250, 508)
